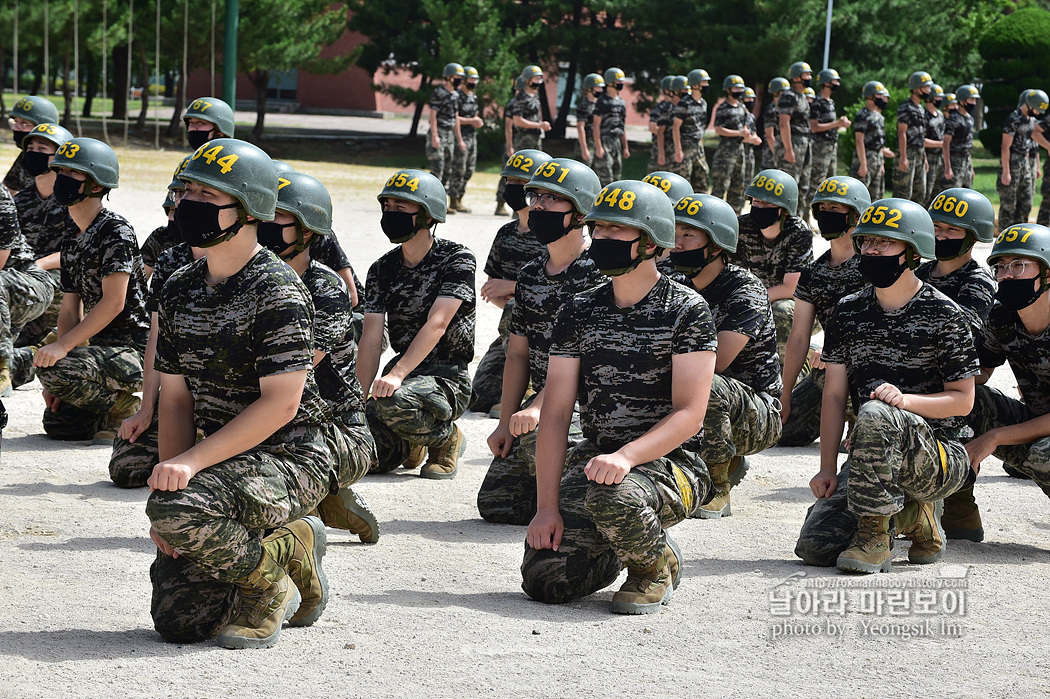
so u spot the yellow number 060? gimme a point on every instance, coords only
(880, 215)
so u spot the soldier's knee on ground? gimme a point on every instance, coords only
(187, 606)
(71, 424)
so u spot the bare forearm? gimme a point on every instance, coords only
(250, 428)
(515, 383)
(94, 322)
(422, 345)
(942, 405)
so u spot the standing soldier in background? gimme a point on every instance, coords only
(909, 177)
(731, 126)
(770, 121)
(753, 142)
(958, 139)
(510, 133)
(206, 119)
(934, 142)
(1015, 184)
(444, 124)
(794, 153)
(825, 127)
(593, 88)
(610, 135)
(1043, 217)
(466, 156)
(660, 117)
(27, 113)
(690, 122)
(528, 115)
(869, 130)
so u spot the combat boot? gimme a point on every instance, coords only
(869, 551)
(267, 598)
(646, 589)
(718, 507)
(416, 454)
(127, 405)
(920, 522)
(462, 208)
(962, 516)
(443, 461)
(6, 387)
(298, 547)
(348, 510)
(501, 210)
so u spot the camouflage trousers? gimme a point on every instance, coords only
(807, 400)
(727, 174)
(610, 168)
(825, 162)
(508, 493)
(749, 163)
(608, 527)
(934, 175)
(739, 421)
(895, 454)
(36, 330)
(1015, 199)
(421, 412)
(911, 183)
(131, 463)
(488, 377)
(783, 315)
(24, 297)
(875, 180)
(992, 409)
(694, 167)
(829, 526)
(463, 164)
(442, 157)
(769, 158)
(217, 524)
(962, 169)
(654, 160)
(1043, 217)
(800, 169)
(519, 141)
(89, 380)
(577, 152)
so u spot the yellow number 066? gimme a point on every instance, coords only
(880, 215)
(768, 184)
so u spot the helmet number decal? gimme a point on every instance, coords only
(550, 168)
(1011, 233)
(24, 104)
(212, 156)
(68, 149)
(45, 128)
(833, 186)
(400, 181)
(282, 183)
(612, 196)
(521, 162)
(949, 204)
(690, 206)
(200, 105)
(882, 215)
(769, 184)
(657, 181)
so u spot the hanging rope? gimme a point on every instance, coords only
(185, 77)
(212, 93)
(105, 62)
(16, 49)
(76, 63)
(127, 99)
(156, 81)
(47, 46)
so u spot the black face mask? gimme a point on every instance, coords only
(199, 223)
(750, 104)
(938, 102)
(949, 249)
(965, 108)
(514, 195)
(737, 95)
(548, 226)
(807, 82)
(613, 257)
(399, 226)
(472, 86)
(456, 82)
(765, 217)
(69, 191)
(198, 138)
(832, 224)
(536, 85)
(704, 89)
(834, 87)
(690, 262)
(270, 235)
(599, 92)
(618, 86)
(1016, 294)
(880, 271)
(36, 163)
(174, 232)
(881, 104)
(19, 136)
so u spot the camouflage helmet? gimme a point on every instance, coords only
(840, 189)
(936, 91)
(569, 179)
(1037, 102)
(919, 79)
(673, 185)
(797, 69)
(903, 220)
(711, 215)
(530, 72)
(419, 187)
(665, 83)
(1026, 239)
(732, 81)
(873, 88)
(680, 83)
(453, 70)
(749, 93)
(949, 98)
(592, 81)
(176, 183)
(809, 92)
(307, 200)
(965, 208)
(53, 133)
(827, 76)
(778, 85)
(38, 110)
(93, 158)
(965, 92)
(471, 72)
(239, 169)
(524, 163)
(638, 205)
(614, 75)
(776, 187)
(282, 167)
(697, 76)
(519, 83)
(1022, 98)
(212, 110)
(170, 199)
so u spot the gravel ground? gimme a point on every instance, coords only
(435, 608)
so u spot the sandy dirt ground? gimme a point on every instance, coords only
(435, 608)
